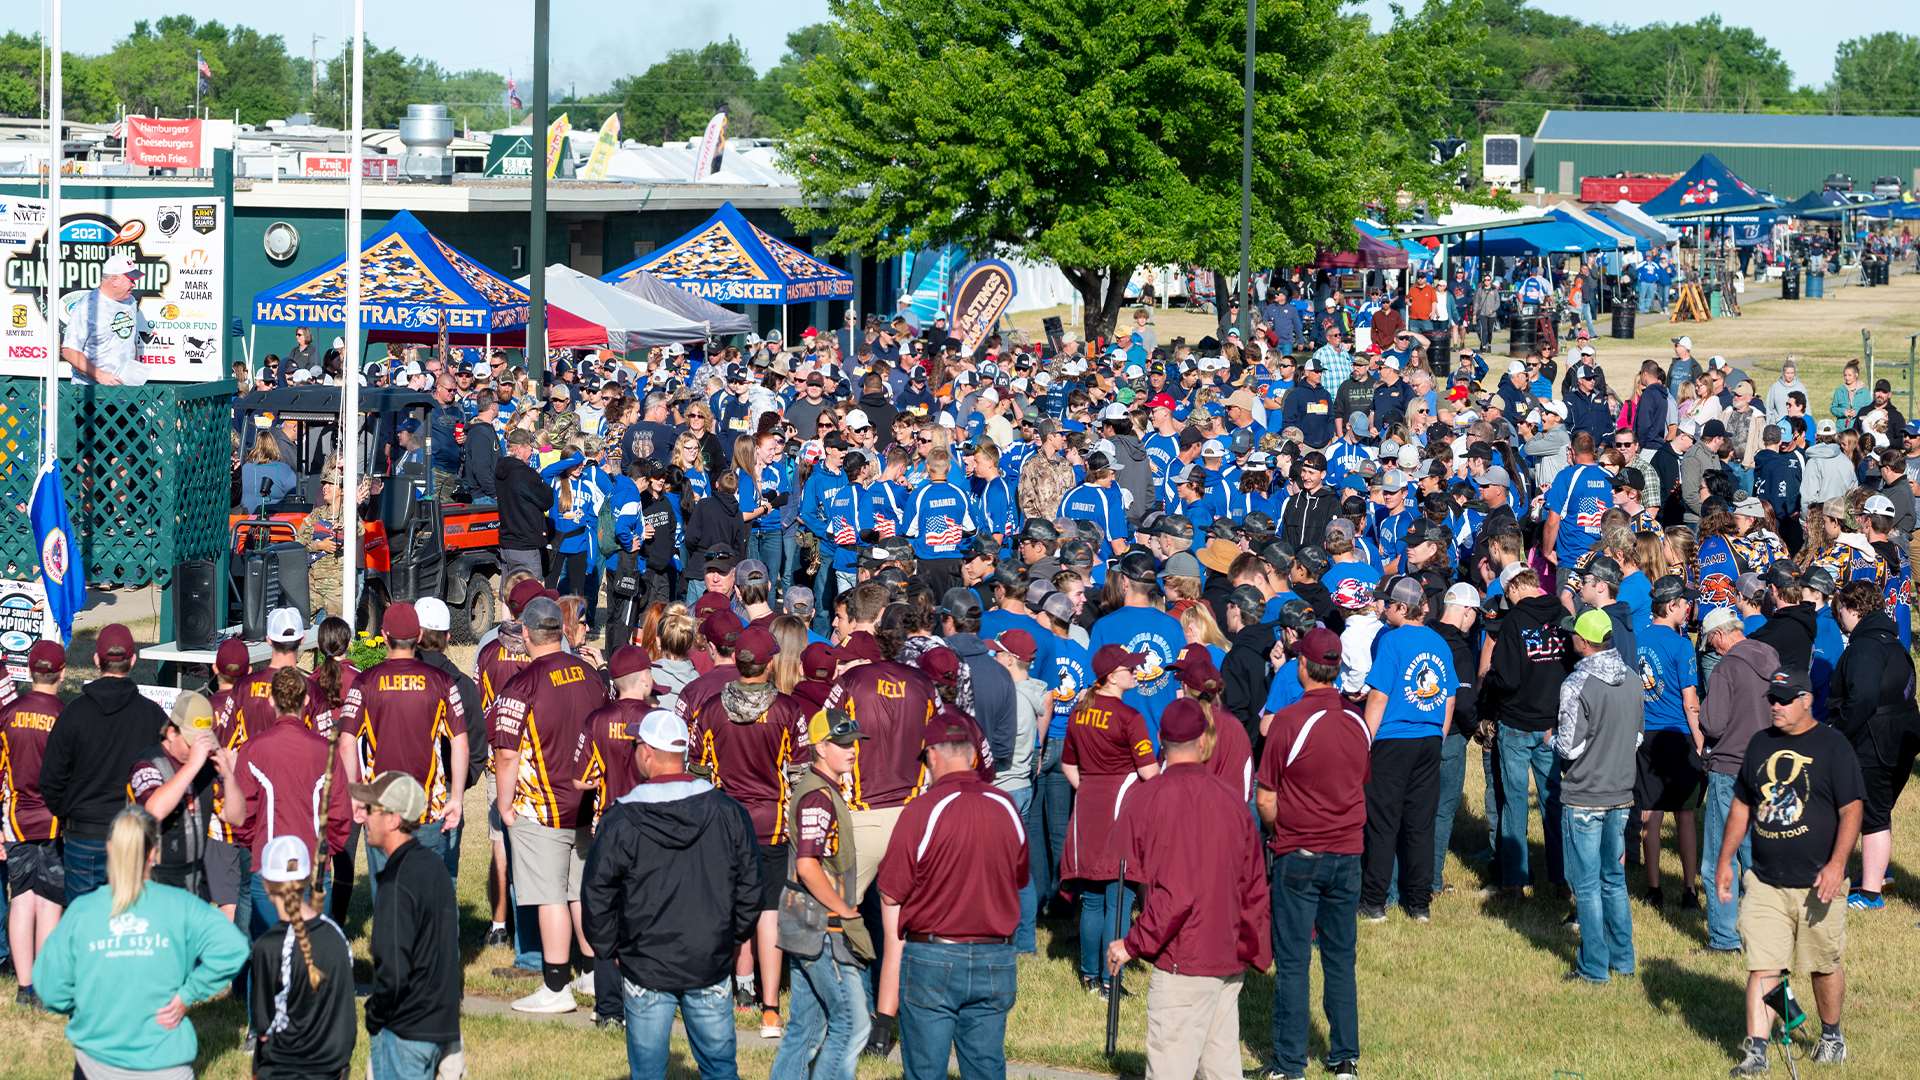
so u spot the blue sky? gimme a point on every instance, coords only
(598, 40)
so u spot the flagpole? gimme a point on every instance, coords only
(350, 380)
(56, 120)
(198, 60)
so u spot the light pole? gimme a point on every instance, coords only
(1246, 191)
(537, 232)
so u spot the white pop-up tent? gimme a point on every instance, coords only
(631, 322)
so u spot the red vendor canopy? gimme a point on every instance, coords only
(1372, 254)
(565, 330)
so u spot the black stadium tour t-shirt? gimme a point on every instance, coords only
(1796, 785)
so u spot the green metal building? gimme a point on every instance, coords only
(1786, 155)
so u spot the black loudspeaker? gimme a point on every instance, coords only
(197, 604)
(276, 577)
(291, 559)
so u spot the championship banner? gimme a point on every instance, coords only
(557, 142)
(24, 619)
(176, 242)
(980, 297)
(163, 144)
(713, 148)
(603, 149)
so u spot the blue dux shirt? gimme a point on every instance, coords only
(1413, 667)
(939, 520)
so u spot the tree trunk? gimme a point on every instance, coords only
(1103, 292)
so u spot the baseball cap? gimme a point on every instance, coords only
(191, 711)
(541, 613)
(1353, 593)
(1878, 504)
(1825, 427)
(721, 559)
(1197, 671)
(1750, 586)
(1401, 589)
(433, 613)
(1461, 594)
(1557, 408)
(950, 725)
(755, 646)
(1183, 721)
(231, 659)
(1672, 587)
(1722, 618)
(1592, 624)
(834, 726)
(1139, 566)
(1213, 448)
(800, 598)
(1320, 645)
(819, 661)
(1059, 605)
(1820, 579)
(749, 572)
(1787, 685)
(856, 420)
(1751, 507)
(1395, 480)
(941, 664)
(662, 730)
(1783, 572)
(1496, 477)
(285, 858)
(285, 625)
(628, 660)
(1017, 642)
(1606, 569)
(50, 658)
(1040, 529)
(1110, 658)
(395, 792)
(1713, 429)
(1182, 564)
(1684, 342)
(1516, 367)
(120, 264)
(403, 622)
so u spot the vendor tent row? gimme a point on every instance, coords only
(413, 283)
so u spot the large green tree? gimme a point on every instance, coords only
(1102, 138)
(1876, 74)
(676, 97)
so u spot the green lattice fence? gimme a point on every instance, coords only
(148, 472)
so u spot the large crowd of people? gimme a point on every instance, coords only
(830, 670)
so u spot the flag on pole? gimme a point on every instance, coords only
(205, 72)
(513, 102)
(61, 570)
(603, 149)
(557, 143)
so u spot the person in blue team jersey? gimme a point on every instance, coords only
(1671, 775)
(1143, 628)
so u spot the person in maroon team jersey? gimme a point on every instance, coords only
(405, 715)
(251, 710)
(500, 659)
(36, 884)
(227, 860)
(744, 740)
(1229, 753)
(721, 629)
(538, 721)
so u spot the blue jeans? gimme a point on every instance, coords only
(1315, 898)
(430, 836)
(1597, 870)
(1645, 291)
(706, 1013)
(1096, 923)
(1524, 754)
(1047, 817)
(1722, 931)
(769, 546)
(954, 1000)
(1453, 779)
(390, 1057)
(824, 580)
(1024, 940)
(827, 1021)
(85, 863)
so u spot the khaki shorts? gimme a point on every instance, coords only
(1790, 929)
(872, 831)
(493, 807)
(547, 862)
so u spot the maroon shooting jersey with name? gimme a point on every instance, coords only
(24, 727)
(604, 758)
(892, 703)
(405, 714)
(541, 714)
(749, 760)
(250, 709)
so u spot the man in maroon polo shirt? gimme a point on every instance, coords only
(405, 715)
(950, 894)
(1204, 911)
(1313, 775)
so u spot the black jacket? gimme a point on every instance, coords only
(1871, 696)
(524, 500)
(1247, 674)
(880, 411)
(1304, 516)
(417, 979)
(100, 733)
(995, 708)
(1531, 658)
(483, 455)
(714, 522)
(1320, 600)
(1790, 631)
(672, 884)
(1466, 664)
(477, 748)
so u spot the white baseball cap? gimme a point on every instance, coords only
(339, 343)
(857, 420)
(433, 613)
(1721, 618)
(1879, 504)
(1461, 594)
(1408, 457)
(663, 731)
(286, 625)
(120, 264)
(285, 858)
(1684, 342)
(412, 369)
(1390, 361)
(1716, 362)
(1517, 367)
(989, 396)
(1115, 411)
(676, 349)
(1557, 408)
(1213, 448)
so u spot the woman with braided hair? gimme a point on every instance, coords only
(301, 977)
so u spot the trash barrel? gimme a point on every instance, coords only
(1523, 336)
(1816, 283)
(1623, 316)
(1790, 284)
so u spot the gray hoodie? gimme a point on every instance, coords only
(1828, 475)
(1736, 703)
(1133, 474)
(670, 676)
(1601, 713)
(1548, 449)
(1033, 699)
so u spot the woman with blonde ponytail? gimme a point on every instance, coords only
(126, 961)
(301, 977)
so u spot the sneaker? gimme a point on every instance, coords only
(1656, 897)
(1572, 921)
(1754, 1063)
(610, 1023)
(1689, 900)
(1860, 901)
(28, 997)
(1345, 1070)
(497, 935)
(582, 984)
(1420, 916)
(770, 1023)
(1274, 1074)
(1375, 915)
(544, 1000)
(1576, 977)
(1089, 985)
(1831, 1051)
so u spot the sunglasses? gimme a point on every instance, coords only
(1627, 444)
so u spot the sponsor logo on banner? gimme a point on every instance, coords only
(167, 220)
(23, 620)
(163, 144)
(603, 149)
(981, 297)
(19, 318)
(557, 143)
(205, 216)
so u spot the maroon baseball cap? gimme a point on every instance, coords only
(709, 602)
(1197, 672)
(942, 665)
(755, 645)
(232, 660)
(114, 643)
(522, 595)
(861, 645)
(1183, 720)
(47, 658)
(628, 660)
(401, 622)
(819, 661)
(722, 628)
(950, 725)
(1320, 645)
(1018, 642)
(1111, 657)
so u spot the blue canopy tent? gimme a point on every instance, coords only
(1652, 236)
(1707, 190)
(1547, 236)
(1824, 199)
(729, 260)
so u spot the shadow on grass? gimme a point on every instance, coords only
(220, 1025)
(1714, 1006)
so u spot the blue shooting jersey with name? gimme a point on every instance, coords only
(1105, 507)
(1581, 495)
(997, 510)
(1160, 638)
(939, 519)
(1162, 452)
(1073, 673)
(1413, 668)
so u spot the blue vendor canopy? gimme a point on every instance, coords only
(1824, 199)
(410, 280)
(729, 260)
(1548, 235)
(1708, 190)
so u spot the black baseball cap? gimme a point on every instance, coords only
(1787, 685)
(1313, 560)
(1673, 587)
(1784, 573)
(1605, 568)
(1297, 614)
(1139, 566)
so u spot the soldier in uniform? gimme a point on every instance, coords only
(320, 532)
